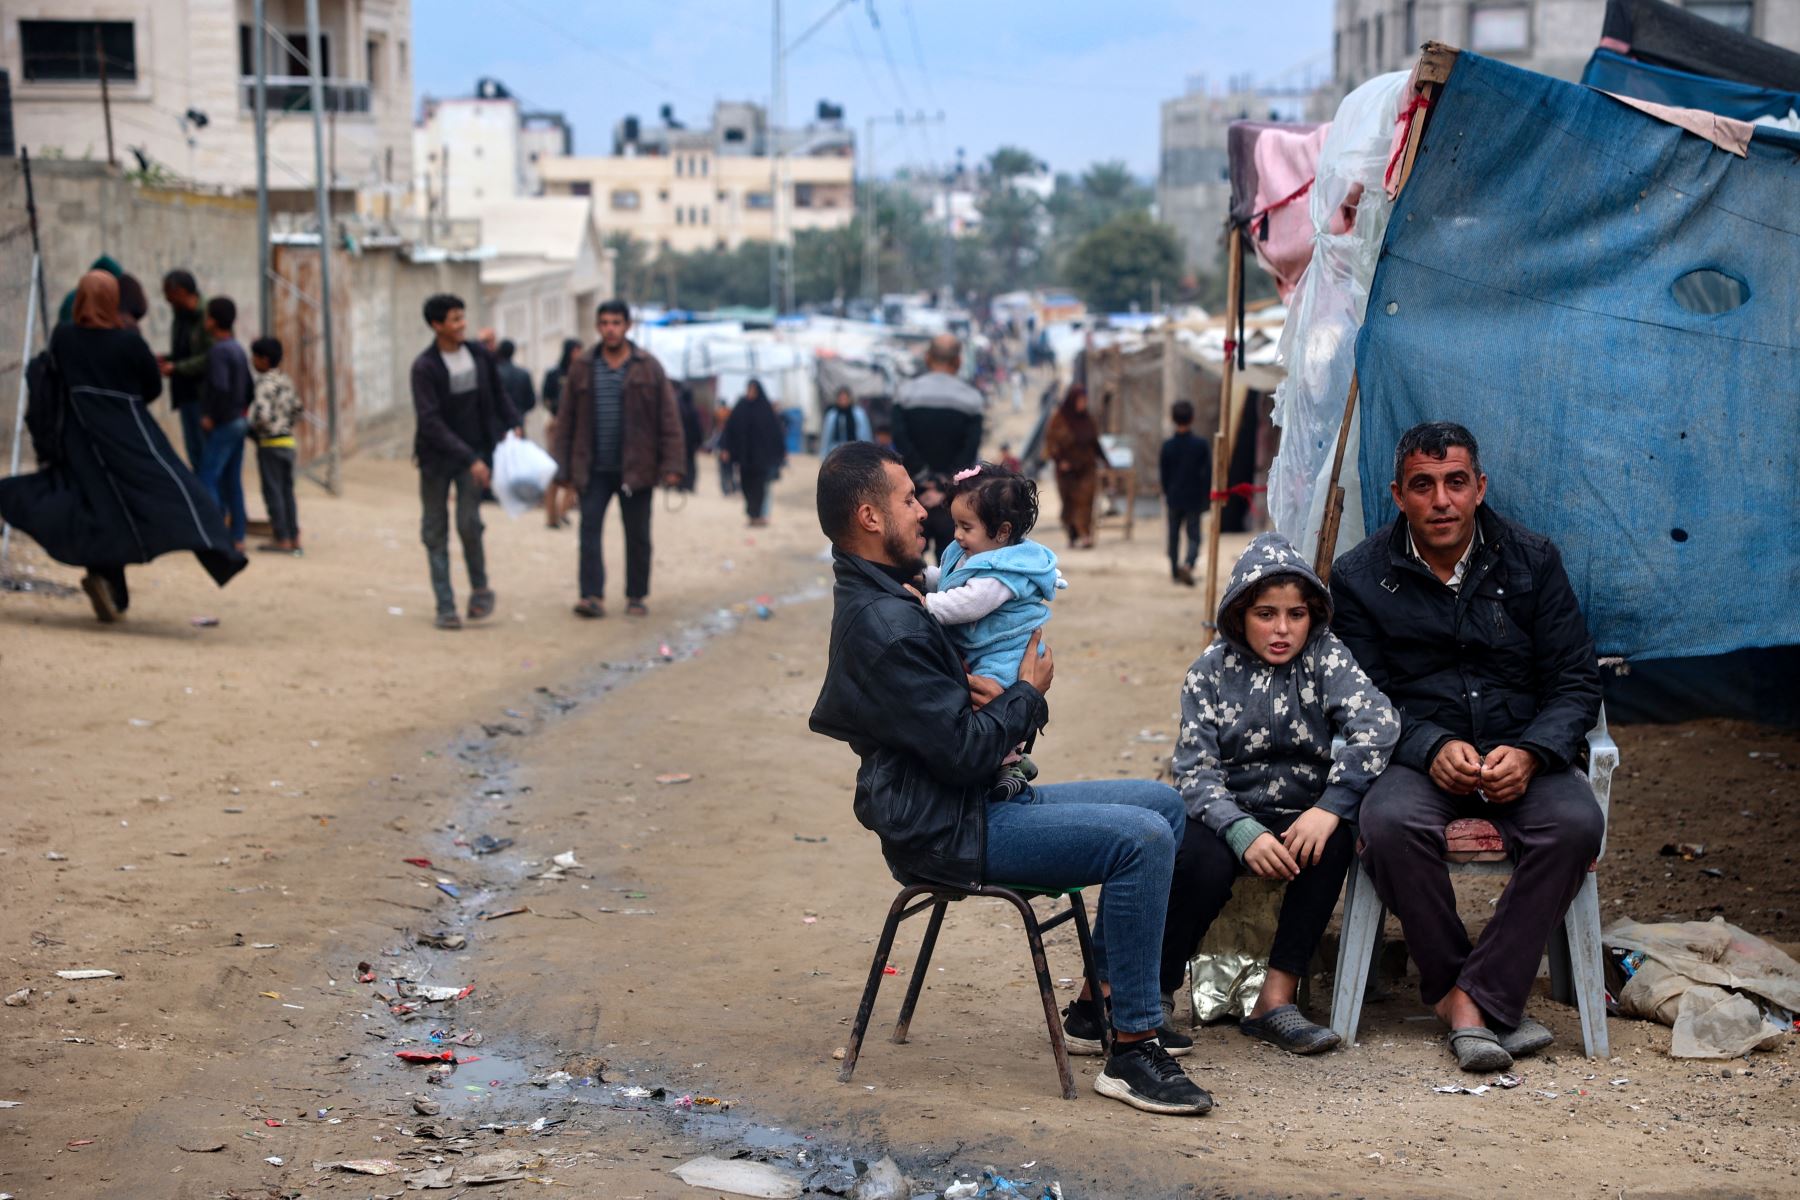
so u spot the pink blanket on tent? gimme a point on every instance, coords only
(1280, 228)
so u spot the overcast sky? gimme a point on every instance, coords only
(1075, 81)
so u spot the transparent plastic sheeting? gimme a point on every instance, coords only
(1318, 343)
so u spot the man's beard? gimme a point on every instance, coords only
(902, 549)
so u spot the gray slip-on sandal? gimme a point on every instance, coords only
(1527, 1037)
(1477, 1048)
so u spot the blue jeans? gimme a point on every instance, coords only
(1119, 833)
(222, 471)
(193, 438)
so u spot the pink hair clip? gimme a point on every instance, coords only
(967, 474)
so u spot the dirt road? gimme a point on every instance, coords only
(231, 809)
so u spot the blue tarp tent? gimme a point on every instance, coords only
(1528, 289)
(1664, 85)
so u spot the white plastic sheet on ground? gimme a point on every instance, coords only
(522, 474)
(1318, 343)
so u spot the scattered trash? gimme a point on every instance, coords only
(425, 1056)
(962, 1190)
(890, 969)
(739, 1177)
(1621, 1081)
(365, 973)
(418, 862)
(212, 1149)
(11, 1103)
(442, 1038)
(19, 999)
(801, 837)
(498, 1166)
(264, 946)
(56, 856)
(450, 890)
(809, 920)
(1456, 1089)
(1712, 872)
(1678, 972)
(882, 1181)
(359, 1166)
(428, 1178)
(139, 723)
(271, 1122)
(87, 974)
(413, 991)
(511, 912)
(488, 844)
(678, 777)
(764, 612)
(558, 865)
(1686, 851)
(426, 1108)
(667, 654)
(839, 1054)
(270, 995)
(443, 941)
(275, 1160)
(1506, 1081)
(203, 622)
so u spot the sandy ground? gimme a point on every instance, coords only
(231, 808)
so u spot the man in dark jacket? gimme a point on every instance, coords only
(617, 432)
(462, 412)
(932, 738)
(1186, 472)
(937, 417)
(1468, 623)
(185, 366)
(515, 380)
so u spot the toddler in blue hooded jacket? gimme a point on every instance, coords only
(994, 586)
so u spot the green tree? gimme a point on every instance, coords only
(631, 267)
(1081, 205)
(1131, 259)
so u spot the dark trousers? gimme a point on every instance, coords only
(756, 490)
(275, 464)
(434, 531)
(115, 582)
(1206, 870)
(1552, 832)
(1180, 519)
(728, 478)
(634, 510)
(193, 438)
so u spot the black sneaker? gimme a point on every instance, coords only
(1143, 1075)
(1082, 1028)
(1081, 1032)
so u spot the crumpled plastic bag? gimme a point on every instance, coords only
(523, 471)
(1226, 973)
(1703, 979)
(1714, 1023)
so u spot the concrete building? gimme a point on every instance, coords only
(1552, 37)
(547, 273)
(178, 82)
(469, 152)
(699, 189)
(1193, 182)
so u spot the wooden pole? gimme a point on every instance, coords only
(1234, 291)
(1433, 69)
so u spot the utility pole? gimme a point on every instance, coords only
(871, 232)
(322, 203)
(112, 159)
(777, 117)
(259, 56)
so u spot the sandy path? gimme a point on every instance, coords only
(352, 739)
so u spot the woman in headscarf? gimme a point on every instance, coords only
(1072, 442)
(553, 378)
(109, 489)
(755, 443)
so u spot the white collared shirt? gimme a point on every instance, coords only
(1454, 583)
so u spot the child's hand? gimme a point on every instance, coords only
(916, 593)
(1269, 859)
(1307, 836)
(1060, 581)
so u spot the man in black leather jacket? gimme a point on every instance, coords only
(1468, 623)
(931, 739)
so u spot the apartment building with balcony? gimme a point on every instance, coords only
(178, 80)
(712, 187)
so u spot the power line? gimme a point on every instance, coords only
(583, 43)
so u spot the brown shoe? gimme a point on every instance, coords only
(481, 605)
(99, 594)
(591, 607)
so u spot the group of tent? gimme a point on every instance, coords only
(1597, 279)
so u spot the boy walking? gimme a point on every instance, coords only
(225, 401)
(272, 415)
(462, 413)
(1187, 489)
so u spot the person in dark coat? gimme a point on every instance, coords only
(553, 378)
(185, 365)
(462, 413)
(515, 379)
(1186, 472)
(1467, 622)
(110, 490)
(755, 443)
(691, 432)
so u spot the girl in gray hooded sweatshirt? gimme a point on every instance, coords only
(1265, 790)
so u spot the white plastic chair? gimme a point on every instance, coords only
(1576, 974)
